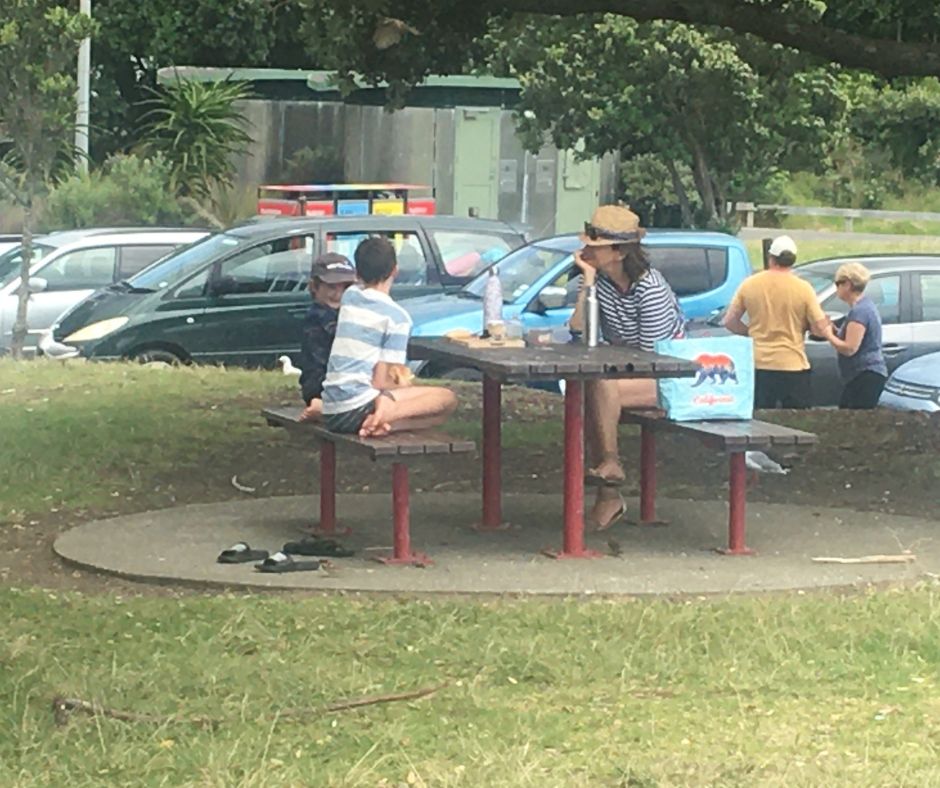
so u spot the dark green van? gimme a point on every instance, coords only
(238, 297)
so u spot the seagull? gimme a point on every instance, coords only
(759, 462)
(287, 367)
(56, 350)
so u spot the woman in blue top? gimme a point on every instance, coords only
(858, 341)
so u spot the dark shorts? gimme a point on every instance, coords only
(863, 391)
(350, 421)
(775, 389)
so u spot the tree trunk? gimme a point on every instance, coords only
(703, 181)
(22, 293)
(685, 207)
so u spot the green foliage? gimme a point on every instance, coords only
(198, 129)
(321, 164)
(38, 47)
(137, 39)
(699, 101)
(127, 190)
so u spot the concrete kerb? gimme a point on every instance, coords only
(179, 546)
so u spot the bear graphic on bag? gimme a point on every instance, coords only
(715, 368)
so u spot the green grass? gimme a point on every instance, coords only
(777, 690)
(847, 246)
(73, 435)
(753, 691)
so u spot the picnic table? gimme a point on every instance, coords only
(573, 363)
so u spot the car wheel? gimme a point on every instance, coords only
(158, 357)
(462, 373)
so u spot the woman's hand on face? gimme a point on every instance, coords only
(588, 270)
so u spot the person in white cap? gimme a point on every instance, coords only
(780, 309)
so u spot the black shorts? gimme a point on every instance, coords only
(776, 389)
(863, 391)
(349, 422)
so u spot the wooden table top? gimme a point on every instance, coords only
(552, 362)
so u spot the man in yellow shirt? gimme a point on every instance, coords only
(780, 308)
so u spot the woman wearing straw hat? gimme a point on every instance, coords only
(637, 308)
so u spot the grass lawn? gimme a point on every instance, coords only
(776, 690)
(816, 249)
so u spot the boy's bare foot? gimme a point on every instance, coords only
(606, 512)
(377, 422)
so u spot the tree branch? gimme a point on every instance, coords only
(887, 57)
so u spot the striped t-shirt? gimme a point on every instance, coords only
(647, 312)
(371, 328)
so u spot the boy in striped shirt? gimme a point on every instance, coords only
(360, 393)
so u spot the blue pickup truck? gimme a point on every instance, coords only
(539, 284)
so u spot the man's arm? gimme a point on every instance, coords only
(732, 320)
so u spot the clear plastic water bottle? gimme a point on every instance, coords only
(492, 302)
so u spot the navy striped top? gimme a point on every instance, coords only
(647, 312)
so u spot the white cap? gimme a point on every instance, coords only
(781, 244)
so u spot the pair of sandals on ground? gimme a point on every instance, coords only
(283, 561)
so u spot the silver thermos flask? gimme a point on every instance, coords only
(592, 322)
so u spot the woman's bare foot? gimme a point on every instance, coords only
(607, 510)
(610, 471)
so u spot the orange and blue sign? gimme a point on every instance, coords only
(344, 199)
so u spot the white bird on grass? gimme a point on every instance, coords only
(56, 350)
(758, 462)
(287, 366)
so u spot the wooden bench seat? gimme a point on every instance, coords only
(735, 438)
(399, 448)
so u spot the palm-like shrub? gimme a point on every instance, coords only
(197, 129)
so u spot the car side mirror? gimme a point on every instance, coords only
(37, 284)
(553, 297)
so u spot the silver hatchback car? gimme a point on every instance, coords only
(69, 266)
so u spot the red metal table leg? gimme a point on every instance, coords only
(402, 522)
(327, 525)
(737, 503)
(492, 458)
(648, 478)
(573, 544)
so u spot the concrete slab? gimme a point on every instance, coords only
(181, 545)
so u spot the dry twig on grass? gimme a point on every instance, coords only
(903, 558)
(61, 708)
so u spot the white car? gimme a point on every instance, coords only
(69, 266)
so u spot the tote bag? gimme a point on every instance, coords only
(723, 387)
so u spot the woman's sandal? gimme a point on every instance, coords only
(591, 524)
(281, 562)
(318, 547)
(241, 553)
(593, 479)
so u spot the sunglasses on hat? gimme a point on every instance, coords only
(594, 233)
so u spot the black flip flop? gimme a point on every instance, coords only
(317, 547)
(241, 553)
(281, 562)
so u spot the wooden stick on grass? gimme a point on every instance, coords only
(903, 558)
(61, 707)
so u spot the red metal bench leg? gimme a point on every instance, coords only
(648, 478)
(492, 457)
(402, 522)
(737, 504)
(327, 525)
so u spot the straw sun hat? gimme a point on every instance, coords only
(612, 225)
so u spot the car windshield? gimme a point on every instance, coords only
(11, 260)
(177, 265)
(819, 277)
(518, 271)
